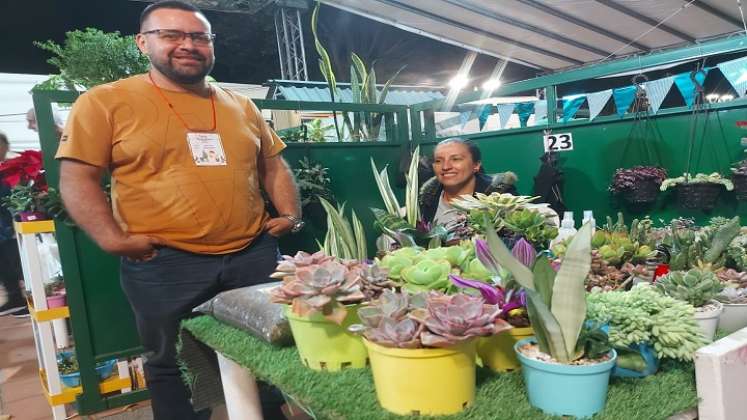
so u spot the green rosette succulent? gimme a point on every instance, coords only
(476, 271)
(426, 275)
(695, 286)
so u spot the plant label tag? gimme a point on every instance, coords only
(207, 149)
(558, 142)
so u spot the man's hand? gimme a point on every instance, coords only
(278, 226)
(134, 247)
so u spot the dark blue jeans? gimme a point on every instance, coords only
(163, 291)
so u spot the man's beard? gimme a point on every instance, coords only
(169, 70)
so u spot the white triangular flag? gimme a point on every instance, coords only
(540, 112)
(735, 71)
(597, 101)
(656, 91)
(504, 113)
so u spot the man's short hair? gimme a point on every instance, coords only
(4, 139)
(167, 4)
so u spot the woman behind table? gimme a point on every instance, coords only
(458, 166)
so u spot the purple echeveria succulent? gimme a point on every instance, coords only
(450, 319)
(288, 264)
(524, 252)
(322, 288)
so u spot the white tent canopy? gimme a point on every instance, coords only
(550, 35)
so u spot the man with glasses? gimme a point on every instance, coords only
(186, 227)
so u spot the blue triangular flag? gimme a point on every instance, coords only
(656, 91)
(485, 111)
(623, 96)
(735, 71)
(464, 118)
(597, 101)
(525, 110)
(504, 113)
(686, 85)
(571, 104)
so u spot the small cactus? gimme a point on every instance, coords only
(695, 286)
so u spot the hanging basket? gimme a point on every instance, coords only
(643, 192)
(740, 186)
(698, 195)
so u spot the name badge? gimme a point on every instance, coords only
(207, 149)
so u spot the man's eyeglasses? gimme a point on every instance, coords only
(175, 35)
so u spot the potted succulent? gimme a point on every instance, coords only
(567, 365)
(55, 292)
(497, 351)
(734, 300)
(430, 337)
(698, 288)
(739, 178)
(639, 184)
(320, 292)
(645, 326)
(67, 365)
(699, 192)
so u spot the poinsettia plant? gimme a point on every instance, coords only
(627, 178)
(24, 169)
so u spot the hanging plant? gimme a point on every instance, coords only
(699, 192)
(639, 184)
(739, 178)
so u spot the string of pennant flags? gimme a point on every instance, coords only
(735, 71)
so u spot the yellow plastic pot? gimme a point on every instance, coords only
(324, 345)
(497, 351)
(424, 381)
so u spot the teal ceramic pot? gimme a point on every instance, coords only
(565, 390)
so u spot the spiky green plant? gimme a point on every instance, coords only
(556, 301)
(695, 286)
(343, 240)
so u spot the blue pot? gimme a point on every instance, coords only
(565, 390)
(104, 370)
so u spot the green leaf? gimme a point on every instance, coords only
(544, 279)
(385, 89)
(521, 273)
(360, 238)
(342, 230)
(569, 294)
(546, 326)
(411, 195)
(387, 194)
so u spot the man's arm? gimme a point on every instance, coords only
(85, 201)
(277, 180)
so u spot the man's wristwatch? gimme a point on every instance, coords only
(298, 224)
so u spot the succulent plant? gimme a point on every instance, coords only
(531, 225)
(733, 295)
(432, 320)
(450, 319)
(374, 280)
(732, 277)
(495, 206)
(323, 288)
(643, 315)
(737, 252)
(625, 179)
(288, 264)
(686, 178)
(426, 275)
(556, 302)
(695, 286)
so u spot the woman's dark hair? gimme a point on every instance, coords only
(474, 151)
(167, 4)
(4, 139)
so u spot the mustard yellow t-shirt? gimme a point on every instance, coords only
(157, 188)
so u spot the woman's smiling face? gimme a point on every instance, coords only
(454, 165)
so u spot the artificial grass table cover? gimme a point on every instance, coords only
(350, 394)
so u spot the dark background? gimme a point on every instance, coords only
(246, 48)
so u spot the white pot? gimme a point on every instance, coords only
(734, 317)
(708, 319)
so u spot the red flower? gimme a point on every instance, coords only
(661, 270)
(26, 168)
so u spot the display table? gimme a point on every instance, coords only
(350, 394)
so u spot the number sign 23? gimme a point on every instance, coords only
(558, 142)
